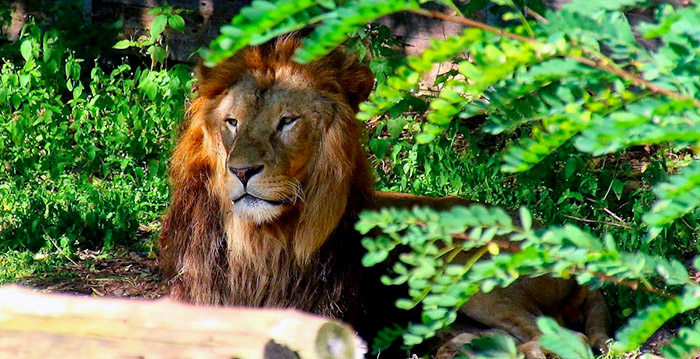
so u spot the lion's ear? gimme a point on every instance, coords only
(211, 81)
(358, 82)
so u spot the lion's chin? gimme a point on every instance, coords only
(257, 209)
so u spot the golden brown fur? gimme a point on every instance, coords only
(213, 255)
(268, 177)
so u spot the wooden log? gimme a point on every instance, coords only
(39, 325)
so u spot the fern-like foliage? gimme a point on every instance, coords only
(680, 195)
(577, 76)
(562, 86)
(263, 20)
(642, 326)
(685, 345)
(442, 287)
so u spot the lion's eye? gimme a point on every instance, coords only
(232, 121)
(285, 121)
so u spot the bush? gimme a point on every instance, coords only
(564, 113)
(83, 152)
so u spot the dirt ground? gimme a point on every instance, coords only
(122, 273)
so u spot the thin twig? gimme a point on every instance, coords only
(613, 215)
(598, 222)
(603, 65)
(596, 62)
(536, 16)
(617, 164)
(475, 258)
(633, 285)
(470, 23)
(62, 252)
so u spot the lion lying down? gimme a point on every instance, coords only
(268, 178)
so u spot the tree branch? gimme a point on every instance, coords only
(38, 325)
(596, 62)
(471, 23)
(515, 247)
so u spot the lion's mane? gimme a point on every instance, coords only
(312, 265)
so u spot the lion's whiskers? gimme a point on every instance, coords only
(288, 189)
(298, 191)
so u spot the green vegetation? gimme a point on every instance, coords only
(84, 144)
(564, 113)
(156, 45)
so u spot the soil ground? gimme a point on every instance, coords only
(122, 273)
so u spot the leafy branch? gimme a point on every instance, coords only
(596, 61)
(515, 250)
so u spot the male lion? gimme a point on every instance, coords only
(268, 178)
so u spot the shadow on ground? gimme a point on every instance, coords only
(120, 273)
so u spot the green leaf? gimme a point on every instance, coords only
(379, 147)
(328, 4)
(26, 50)
(644, 324)
(562, 342)
(525, 218)
(424, 138)
(494, 346)
(617, 187)
(373, 258)
(396, 126)
(176, 22)
(151, 90)
(122, 44)
(158, 53)
(404, 304)
(158, 25)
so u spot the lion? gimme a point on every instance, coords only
(268, 177)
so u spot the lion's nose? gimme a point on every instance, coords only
(245, 173)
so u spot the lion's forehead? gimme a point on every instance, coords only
(252, 98)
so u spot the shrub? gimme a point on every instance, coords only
(83, 152)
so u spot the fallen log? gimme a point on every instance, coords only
(36, 325)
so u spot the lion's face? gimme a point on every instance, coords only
(276, 145)
(270, 132)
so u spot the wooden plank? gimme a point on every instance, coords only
(40, 325)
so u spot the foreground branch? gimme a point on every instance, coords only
(595, 62)
(37, 325)
(471, 23)
(514, 247)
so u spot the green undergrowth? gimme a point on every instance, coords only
(17, 266)
(84, 142)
